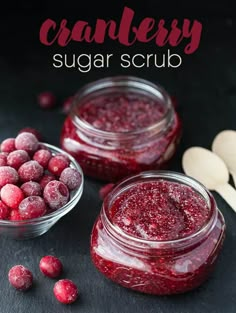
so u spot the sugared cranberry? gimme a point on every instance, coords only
(46, 100)
(30, 170)
(67, 105)
(46, 179)
(42, 157)
(50, 266)
(8, 175)
(31, 188)
(103, 192)
(32, 131)
(20, 277)
(3, 159)
(8, 145)
(32, 207)
(65, 291)
(56, 194)
(57, 164)
(27, 142)
(71, 178)
(12, 196)
(4, 211)
(17, 158)
(15, 216)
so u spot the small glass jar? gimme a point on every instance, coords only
(112, 155)
(157, 267)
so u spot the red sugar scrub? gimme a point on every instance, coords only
(158, 233)
(120, 126)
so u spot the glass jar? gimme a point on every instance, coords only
(152, 266)
(113, 154)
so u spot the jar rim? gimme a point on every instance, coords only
(155, 90)
(166, 175)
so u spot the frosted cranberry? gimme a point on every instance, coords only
(32, 207)
(56, 194)
(3, 159)
(32, 131)
(27, 142)
(12, 196)
(15, 216)
(67, 105)
(50, 266)
(46, 100)
(103, 192)
(17, 158)
(71, 178)
(8, 145)
(4, 211)
(65, 291)
(46, 179)
(8, 175)
(20, 277)
(30, 170)
(57, 164)
(31, 188)
(42, 157)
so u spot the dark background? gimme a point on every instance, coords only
(205, 86)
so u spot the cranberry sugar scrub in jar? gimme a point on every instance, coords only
(120, 126)
(158, 233)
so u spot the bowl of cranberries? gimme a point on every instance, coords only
(39, 183)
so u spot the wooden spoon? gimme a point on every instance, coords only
(224, 145)
(209, 169)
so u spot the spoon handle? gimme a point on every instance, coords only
(229, 194)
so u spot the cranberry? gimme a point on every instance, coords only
(32, 131)
(15, 216)
(65, 291)
(17, 158)
(3, 159)
(20, 277)
(32, 207)
(57, 164)
(42, 157)
(4, 211)
(12, 196)
(103, 192)
(8, 145)
(27, 142)
(71, 178)
(46, 100)
(50, 266)
(31, 188)
(56, 194)
(8, 175)
(30, 170)
(46, 179)
(67, 105)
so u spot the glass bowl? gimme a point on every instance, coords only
(38, 226)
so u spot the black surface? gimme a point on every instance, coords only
(205, 86)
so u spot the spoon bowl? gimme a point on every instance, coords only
(208, 168)
(224, 145)
(205, 166)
